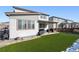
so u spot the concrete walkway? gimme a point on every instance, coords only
(8, 42)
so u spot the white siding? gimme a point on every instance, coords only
(59, 22)
(14, 32)
(47, 19)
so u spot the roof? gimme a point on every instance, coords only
(30, 12)
(76, 22)
(22, 13)
(46, 21)
(57, 17)
(24, 9)
(61, 18)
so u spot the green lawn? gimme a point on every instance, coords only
(49, 43)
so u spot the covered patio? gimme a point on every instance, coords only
(46, 26)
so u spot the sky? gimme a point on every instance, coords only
(67, 12)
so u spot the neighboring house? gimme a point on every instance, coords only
(24, 23)
(69, 24)
(75, 25)
(4, 24)
(62, 23)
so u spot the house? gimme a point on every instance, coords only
(57, 19)
(62, 23)
(24, 22)
(75, 25)
(3, 25)
(69, 24)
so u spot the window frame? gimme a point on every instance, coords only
(32, 23)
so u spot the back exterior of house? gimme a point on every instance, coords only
(24, 23)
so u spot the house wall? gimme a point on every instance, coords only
(50, 26)
(14, 32)
(59, 21)
(47, 19)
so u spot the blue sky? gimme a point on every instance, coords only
(68, 12)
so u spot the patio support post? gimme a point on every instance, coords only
(56, 26)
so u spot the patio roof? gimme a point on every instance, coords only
(61, 18)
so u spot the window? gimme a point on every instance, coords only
(21, 24)
(31, 24)
(43, 17)
(26, 24)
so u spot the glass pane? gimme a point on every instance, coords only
(19, 24)
(24, 24)
(29, 24)
(33, 26)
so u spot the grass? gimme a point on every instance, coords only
(49, 43)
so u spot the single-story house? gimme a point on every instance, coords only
(61, 22)
(24, 22)
(56, 19)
